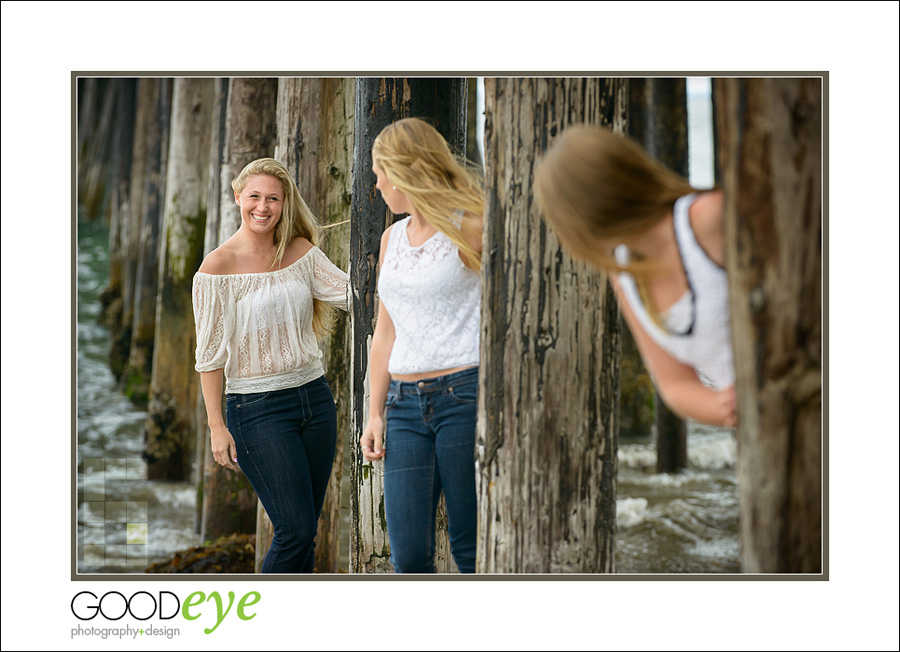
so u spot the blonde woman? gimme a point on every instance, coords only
(614, 206)
(423, 365)
(260, 300)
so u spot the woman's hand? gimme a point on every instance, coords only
(223, 449)
(726, 402)
(372, 440)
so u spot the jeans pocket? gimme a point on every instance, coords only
(246, 400)
(464, 392)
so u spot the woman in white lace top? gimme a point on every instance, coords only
(614, 206)
(260, 300)
(423, 364)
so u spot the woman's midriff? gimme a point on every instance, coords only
(428, 374)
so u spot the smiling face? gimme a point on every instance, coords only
(261, 202)
(395, 199)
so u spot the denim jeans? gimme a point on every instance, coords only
(430, 447)
(285, 446)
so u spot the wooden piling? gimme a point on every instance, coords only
(547, 430)
(769, 134)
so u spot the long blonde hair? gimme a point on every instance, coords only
(417, 160)
(296, 221)
(595, 183)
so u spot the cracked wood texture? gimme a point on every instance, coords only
(143, 325)
(380, 101)
(550, 342)
(770, 157)
(120, 213)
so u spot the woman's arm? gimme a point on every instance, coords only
(372, 440)
(330, 283)
(214, 320)
(222, 443)
(678, 383)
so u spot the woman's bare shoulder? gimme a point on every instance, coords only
(295, 250)
(385, 238)
(708, 223)
(386, 235)
(220, 261)
(707, 211)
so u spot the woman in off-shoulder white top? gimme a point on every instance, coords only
(260, 300)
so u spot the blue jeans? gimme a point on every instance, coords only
(430, 447)
(285, 446)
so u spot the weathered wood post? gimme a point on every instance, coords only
(174, 386)
(549, 350)
(380, 101)
(315, 142)
(96, 129)
(120, 314)
(246, 132)
(770, 154)
(88, 105)
(143, 325)
(657, 118)
(120, 199)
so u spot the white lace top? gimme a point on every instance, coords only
(258, 327)
(434, 301)
(697, 327)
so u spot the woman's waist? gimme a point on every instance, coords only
(434, 381)
(434, 375)
(274, 381)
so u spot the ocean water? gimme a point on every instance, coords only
(125, 522)
(679, 523)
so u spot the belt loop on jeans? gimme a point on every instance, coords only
(399, 389)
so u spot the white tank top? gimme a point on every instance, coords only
(434, 301)
(697, 327)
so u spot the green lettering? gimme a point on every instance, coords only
(245, 603)
(190, 602)
(220, 616)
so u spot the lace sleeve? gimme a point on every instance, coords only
(330, 284)
(213, 320)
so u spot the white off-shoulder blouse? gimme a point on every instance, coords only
(258, 327)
